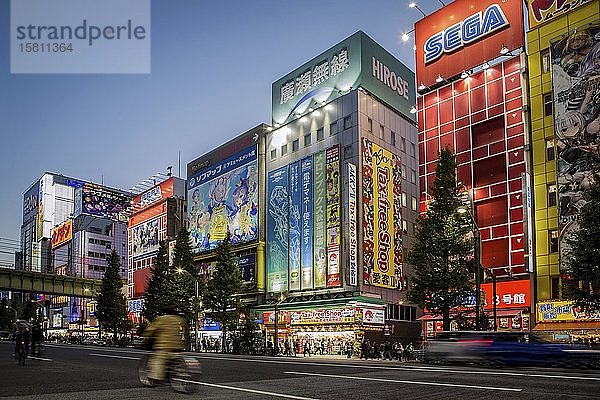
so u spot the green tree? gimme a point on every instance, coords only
(440, 278)
(156, 286)
(111, 310)
(7, 315)
(249, 330)
(221, 288)
(582, 256)
(182, 293)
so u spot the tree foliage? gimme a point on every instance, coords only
(224, 283)
(156, 285)
(111, 311)
(441, 280)
(582, 255)
(182, 286)
(7, 315)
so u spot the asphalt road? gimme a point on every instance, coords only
(95, 373)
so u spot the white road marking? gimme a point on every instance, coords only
(457, 385)
(413, 368)
(113, 356)
(287, 396)
(40, 358)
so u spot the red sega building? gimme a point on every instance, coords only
(472, 86)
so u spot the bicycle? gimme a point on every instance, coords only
(21, 355)
(181, 370)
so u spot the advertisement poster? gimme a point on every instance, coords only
(549, 311)
(379, 248)
(352, 234)
(62, 234)
(145, 237)
(333, 215)
(97, 200)
(373, 316)
(397, 194)
(247, 265)
(277, 230)
(509, 294)
(320, 211)
(576, 89)
(323, 316)
(295, 221)
(224, 198)
(307, 224)
(541, 11)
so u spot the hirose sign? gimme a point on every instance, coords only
(464, 34)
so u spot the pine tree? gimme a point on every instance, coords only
(182, 295)
(111, 310)
(441, 280)
(156, 287)
(6, 315)
(582, 257)
(224, 283)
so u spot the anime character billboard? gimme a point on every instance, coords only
(145, 237)
(576, 88)
(224, 198)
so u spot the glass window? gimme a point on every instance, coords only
(307, 139)
(413, 203)
(545, 56)
(381, 132)
(370, 124)
(404, 226)
(403, 144)
(333, 128)
(347, 122)
(553, 239)
(296, 145)
(552, 195)
(403, 199)
(413, 176)
(547, 104)
(403, 171)
(393, 140)
(550, 150)
(284, 149)
(320, 135)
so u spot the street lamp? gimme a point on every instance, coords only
(179, 271)
(279, 301)
(493, 276)
(15, 310)
(477, 258)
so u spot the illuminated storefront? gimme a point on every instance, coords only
(472, 87)
(563, 46)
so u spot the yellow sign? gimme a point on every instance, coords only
(324, 316)
(550, 311)
(62, 234)
(542, 11)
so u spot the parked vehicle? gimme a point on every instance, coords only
(507, 348)
(5, 335)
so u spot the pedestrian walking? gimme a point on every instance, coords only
(307, 348)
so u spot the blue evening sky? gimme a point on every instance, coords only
(213, 63)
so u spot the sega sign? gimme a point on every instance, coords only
(469, 30)
(464, 34)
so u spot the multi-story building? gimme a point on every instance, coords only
(472, 82)
(157, 214)
(341, 197)
(69, 228)
(563, 53)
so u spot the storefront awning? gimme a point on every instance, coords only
(567, 326)
(499, 314)
(342, 301)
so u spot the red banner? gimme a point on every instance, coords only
(464, 34)
(509, 294)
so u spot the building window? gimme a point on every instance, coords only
(413, 203)
(403, 199)
(393, 138)
(547, 104)
(320, 135)
(551, 195)
(414, 150)
(413, 176)
(550, 150)
(555, 288)
(296, 145)
(284, 149)
(307, 139)
(347, 122)
(370, 124)
(403, 171)
(381, 132)
(545, 58)
(404, 226)
(553, 239)
(333, 128)
(273, 154)
(403, 144)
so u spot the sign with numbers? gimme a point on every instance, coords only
(509, 294)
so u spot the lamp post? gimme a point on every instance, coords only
(477, 258)
(197, 302)
(276, 344)
(491, 274)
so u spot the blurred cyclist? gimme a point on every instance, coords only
(168, 333)
(21, 331)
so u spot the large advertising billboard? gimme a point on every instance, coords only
(509, 294)
(542, 11)
(576, 88)
(102, 202)
(145, 237)
(306, 281)
(295, 220)
(332, 171)
(62, 234)
(352, 232)
(553, 311)
(356, 61)
(224, 198)
(320, 221)
(464, 34)
(381, 215)
(277, 230)
(31, 201)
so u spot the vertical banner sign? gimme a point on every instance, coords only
(333, 215)
(368, 217)
(352, 234)
(319, 211)
(396, 222)
(381, 166)
(576, 89)
(277, 230)
(306, 281)
(295, 225)
(528, 219)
